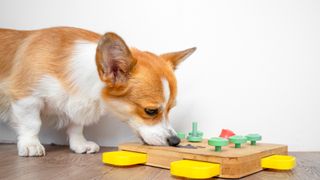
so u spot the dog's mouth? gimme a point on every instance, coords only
(141, 138)
(171, 140)
(156, 135)
(154, 143)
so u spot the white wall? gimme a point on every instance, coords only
(256, 68)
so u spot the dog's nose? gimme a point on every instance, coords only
(173, 140)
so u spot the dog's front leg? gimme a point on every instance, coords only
(26, 122)
(77, 141)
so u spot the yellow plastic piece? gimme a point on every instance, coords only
(194, 169)
(279, 162)
(124, 158)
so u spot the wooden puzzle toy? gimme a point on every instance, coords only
(202, 158)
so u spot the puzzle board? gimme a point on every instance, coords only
(234, 162)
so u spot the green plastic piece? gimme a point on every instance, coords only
(253, 138)
(218, 142)
(181, 135)
(199, 133)
(237, 140)
(195, 135)
(194, 138)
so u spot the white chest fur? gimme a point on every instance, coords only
(85, 105)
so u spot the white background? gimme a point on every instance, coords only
(256, 68)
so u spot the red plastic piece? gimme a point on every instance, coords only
(226, 133)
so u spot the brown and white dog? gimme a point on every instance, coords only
(79, 75)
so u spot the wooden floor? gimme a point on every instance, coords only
(60, 163)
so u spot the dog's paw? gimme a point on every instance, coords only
(84, 147)
(30, 147)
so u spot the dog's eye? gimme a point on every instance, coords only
(151, 112)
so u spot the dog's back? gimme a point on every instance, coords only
(26, 56)
(10, 40)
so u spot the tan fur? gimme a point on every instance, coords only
(27, 55)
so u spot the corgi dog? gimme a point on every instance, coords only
(78, 76)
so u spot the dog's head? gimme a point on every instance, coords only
(140, 87)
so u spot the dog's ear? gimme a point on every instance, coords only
(175, 58)
(114, 60)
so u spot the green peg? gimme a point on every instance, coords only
(195, 135)
(194, 129)
(253, 138)
(218, 142)
(181, 135)
(237, 140)
(199, 133)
